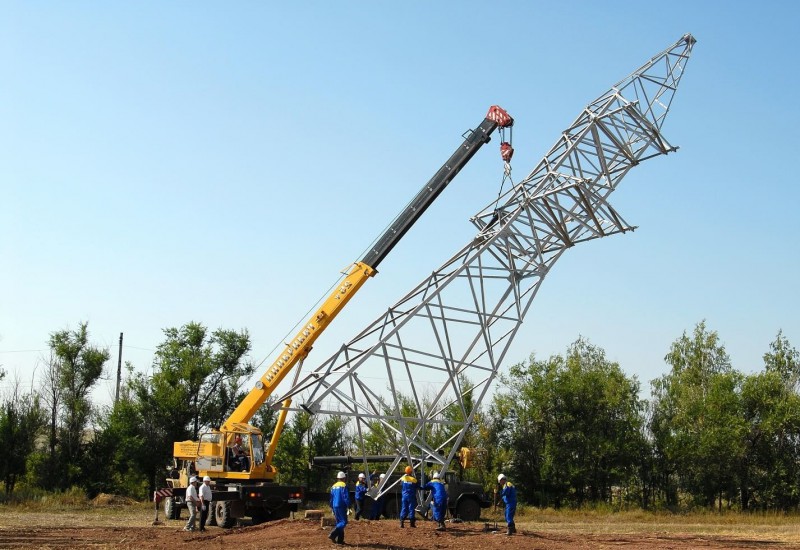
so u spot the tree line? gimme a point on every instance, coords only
(570, 430)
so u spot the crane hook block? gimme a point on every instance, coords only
(500, 116)
(506, 151)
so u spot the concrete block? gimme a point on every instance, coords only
(314, 514)
(327, 522)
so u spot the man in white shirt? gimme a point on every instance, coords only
(191, 502)
(205, 501)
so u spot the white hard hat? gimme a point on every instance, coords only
(341, 475)
(192, 479)
(362, 476)
(206, 478)
(382, 476)
(435, 475)
(500, 478)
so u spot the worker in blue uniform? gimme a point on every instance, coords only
(360, 493)
(408, 504)
(509, 495)
(379, 502)
(439, 498)
(340, 502)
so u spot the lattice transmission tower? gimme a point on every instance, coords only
(458, 323)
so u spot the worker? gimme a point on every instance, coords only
(509, 495)
(379, 501)
(340, 502)
(191, 503)
(240, 458)
(205, 501)
(409, 485)
(439, 497)
(360, 493)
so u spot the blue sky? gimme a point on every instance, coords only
(167, 162)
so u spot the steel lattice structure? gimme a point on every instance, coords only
(458, 324)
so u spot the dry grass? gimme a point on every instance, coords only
(772, 526)
(104, 511)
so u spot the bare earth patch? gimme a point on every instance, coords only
(131, 528)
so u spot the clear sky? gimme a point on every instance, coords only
(167, 162)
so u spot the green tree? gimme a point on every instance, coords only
(697, 424)
(783, 359)
(195, 384)
(21, 421)
(201, 374)
(291, 456)
(121, 452)
(78, 366)
(769, 472)
(575, 426)
(329, 437)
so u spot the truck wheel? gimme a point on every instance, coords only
(222, 512)
(171, 509)
(468, 510)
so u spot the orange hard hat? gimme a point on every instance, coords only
(409, 470)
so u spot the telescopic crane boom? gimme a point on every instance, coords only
(299, 347)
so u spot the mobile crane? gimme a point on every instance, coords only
(247, 487)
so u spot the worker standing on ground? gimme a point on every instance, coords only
(340, 502)
(379, 502)
(205, 501)
(408, 504)
(439, 497)
(191, 503)
(361, 492)
(509, 494)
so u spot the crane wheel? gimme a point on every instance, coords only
(222, 511)
(172, 509)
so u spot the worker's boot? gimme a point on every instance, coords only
(509, 532)
(413, 522)
(333, 534)
(441, 526)
(340, 539)
(513, 528)
(402, 523)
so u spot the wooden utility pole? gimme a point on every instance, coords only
(119, 370)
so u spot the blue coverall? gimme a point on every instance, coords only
(439, 491)
(361, 493)
(408, 503)
(377, 506)
(509, 494)
(340, 502)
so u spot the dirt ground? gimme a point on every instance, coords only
(133, 529)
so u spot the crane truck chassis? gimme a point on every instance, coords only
(251, 490)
